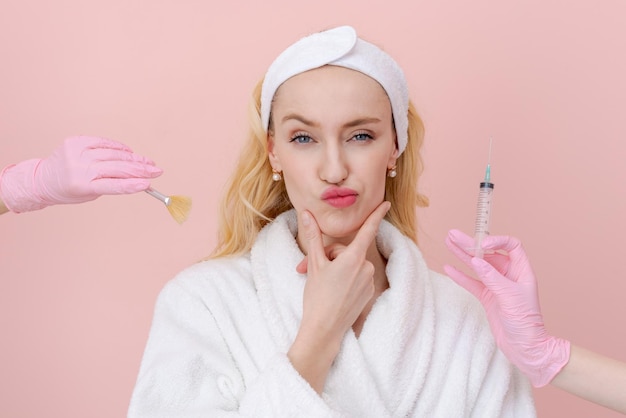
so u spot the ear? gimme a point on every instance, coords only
(273, 157)
(392, 158)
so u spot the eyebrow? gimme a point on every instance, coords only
(295, 116)
(361, 121)
(356, 122)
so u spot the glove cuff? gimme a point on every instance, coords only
(17, 189)
(557, 356)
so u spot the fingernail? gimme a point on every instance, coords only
(455, 235)
(306, 219)
(154, 169)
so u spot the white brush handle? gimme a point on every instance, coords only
(160, 196)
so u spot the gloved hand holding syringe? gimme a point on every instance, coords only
(481, 227)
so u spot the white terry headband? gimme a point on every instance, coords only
(340, 46)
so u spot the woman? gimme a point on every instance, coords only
(508, 291)
(81, 169)
(369, 331)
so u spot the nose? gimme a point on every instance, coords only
(334, 167)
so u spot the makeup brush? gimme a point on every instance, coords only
(178, 206)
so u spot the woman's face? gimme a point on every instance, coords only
(333, 139)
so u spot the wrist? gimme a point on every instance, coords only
(17, 190)
(556, 354)
(3, 207)
(312, 357)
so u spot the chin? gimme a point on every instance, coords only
(340, 226)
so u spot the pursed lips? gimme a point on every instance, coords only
(339, 197)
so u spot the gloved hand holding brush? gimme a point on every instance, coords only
(81, 169)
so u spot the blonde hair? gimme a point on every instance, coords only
(253, 199)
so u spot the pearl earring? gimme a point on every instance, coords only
(276, 175)
(392, 172)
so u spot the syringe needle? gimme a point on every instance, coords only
(488, 170)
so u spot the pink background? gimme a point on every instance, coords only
(544, 78)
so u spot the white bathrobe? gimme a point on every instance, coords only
(222, 328)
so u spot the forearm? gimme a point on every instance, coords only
(596, 378)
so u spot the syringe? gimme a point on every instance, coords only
(481, 228)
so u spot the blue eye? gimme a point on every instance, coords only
(362, 137)
(301, 139)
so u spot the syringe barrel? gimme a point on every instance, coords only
(483, 211)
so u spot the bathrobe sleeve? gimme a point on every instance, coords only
(188, 370)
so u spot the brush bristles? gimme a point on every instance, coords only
(179, 208)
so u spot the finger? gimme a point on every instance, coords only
(89, 142)
(332, 251)
(511, 245)
(461, 239)
(119, 186)
(459, 251)
(475, 287)
(109, 154)
(313, 237)
(124, 169)
(369, 229)
(302, 265)
(501, 242)
(490, 277)
(466, 243)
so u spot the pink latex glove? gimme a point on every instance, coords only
(508, 291)
(81, 169)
